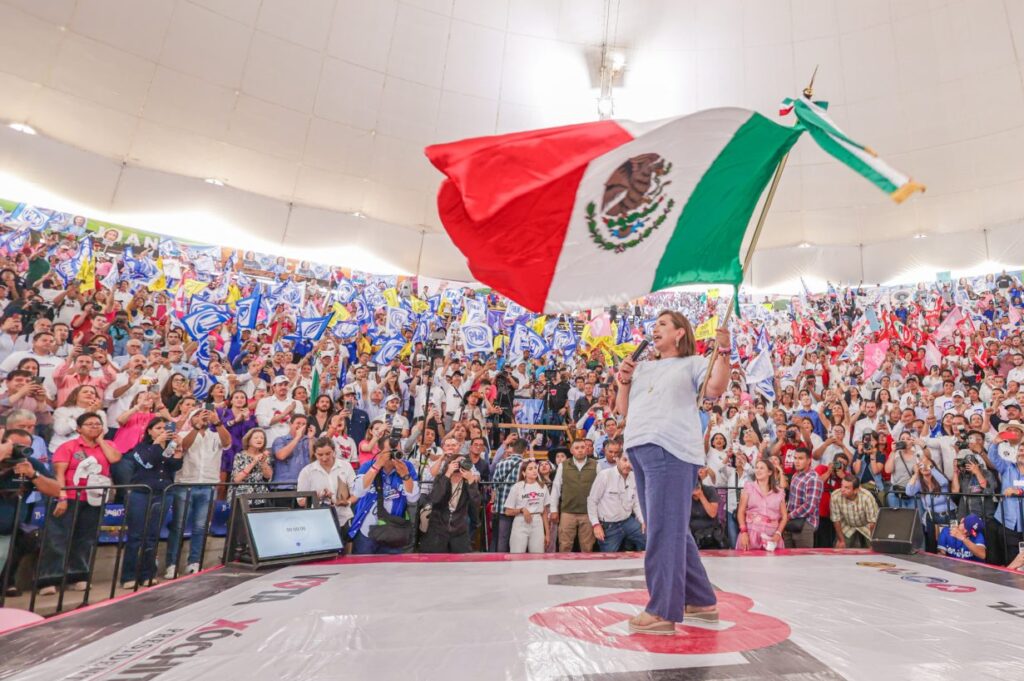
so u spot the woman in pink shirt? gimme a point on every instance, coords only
(132, 423)
(762, 510)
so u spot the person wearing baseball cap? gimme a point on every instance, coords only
(965, 539)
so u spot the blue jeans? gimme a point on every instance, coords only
(732, 528)
(363, 545)
(198, 511)
(616, 533)
(901, 501)
(675, 576)
(140, 549)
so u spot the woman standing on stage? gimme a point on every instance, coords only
(665, 444)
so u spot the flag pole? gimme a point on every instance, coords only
(808, 92)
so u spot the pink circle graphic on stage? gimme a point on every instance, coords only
(602, 620)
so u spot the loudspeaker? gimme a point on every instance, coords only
(898, 530)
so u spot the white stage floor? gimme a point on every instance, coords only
(794, 615)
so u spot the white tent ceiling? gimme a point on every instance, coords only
(311, 110)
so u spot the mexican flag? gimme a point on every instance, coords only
(584, 216)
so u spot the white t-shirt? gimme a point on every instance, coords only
(267, 408)
(663, 407)
(531, 496)
(313, 478)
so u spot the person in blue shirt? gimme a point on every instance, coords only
(807, 411)
(1009, 514)
(155, 460)
(965, 539)
(291, 452)
(400, 488)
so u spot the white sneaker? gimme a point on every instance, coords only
(48, 591)
(191, 568)
(77, 586)
(171, 572)
(130, 584)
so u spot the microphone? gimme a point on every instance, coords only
(640, 349)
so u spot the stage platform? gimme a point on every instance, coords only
(793, 615)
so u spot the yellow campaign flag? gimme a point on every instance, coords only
(363, 345)
(160, 283)
(712, 294)
(707, 329)
(406, 351)
(340, 314)
(623, 350)
(768, 306)
(194, 286)
(87, 275)
(234, 295)
(538, 324)
(418, 306)
(444, 308)
(391, 296)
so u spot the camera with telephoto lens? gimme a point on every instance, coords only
(19, 454)
(465, 464)
(900, 446)
(965, 461)
(394, 442)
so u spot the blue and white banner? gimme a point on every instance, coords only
(514, 312)
(397, 320)
(15, 241)
(30, 217)
(476, 311)
(525, 339)
(528, 411)
(760, 368)
(202, 383)
(345, 330)
(310, 328)
(361, 314)
(477, 338)
(202, 356)
(389, 350)
(199, 323)
(287, 292)
(564, 342)
(247, 311)
(344, 292)
(68, 269)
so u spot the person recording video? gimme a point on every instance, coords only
(454, 497)
(389, 478)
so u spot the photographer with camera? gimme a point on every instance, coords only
(974, 478)
(384, 486)
(900, 466)
(831, 477)
(20, 475)
(454, 497)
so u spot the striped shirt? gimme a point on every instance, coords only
(854, 514)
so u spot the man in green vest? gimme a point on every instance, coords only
(569, 493)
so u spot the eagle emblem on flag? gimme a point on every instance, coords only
(634, 203)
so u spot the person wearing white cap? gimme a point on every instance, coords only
(274, 411)
(392, 416)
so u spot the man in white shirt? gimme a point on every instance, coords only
(203, 444)
(129, 383)
(274, 411)
(41, 352)
(330, 478)
(869, 420)
(392, 417)
(1017, 372)
(11, 339)
(614, 509)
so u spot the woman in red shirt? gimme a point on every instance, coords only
(73, 523)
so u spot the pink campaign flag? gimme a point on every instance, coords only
(600, 325)
(932, 356)
(874, 355)
(1015, 315)
(948, 325)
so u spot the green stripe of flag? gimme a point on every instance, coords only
(705, 244)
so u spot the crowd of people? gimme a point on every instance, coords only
(839, 404)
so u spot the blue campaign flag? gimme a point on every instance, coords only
(247, 311)
(197, 304)
(202, 356)
(526, 339)
(648, 326)
(199, 323)
(310, 328)
(513, 313)
(69, 269)
(203, 382)
(362, 313)
(422, 332)
(15, 241)
(476, 310)
(345, 291)
(389, 350)
(477, 338)
(29, 217)
(564, 342)
(494, 318)
(343, 330)
(624, 332)
(397, 319)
